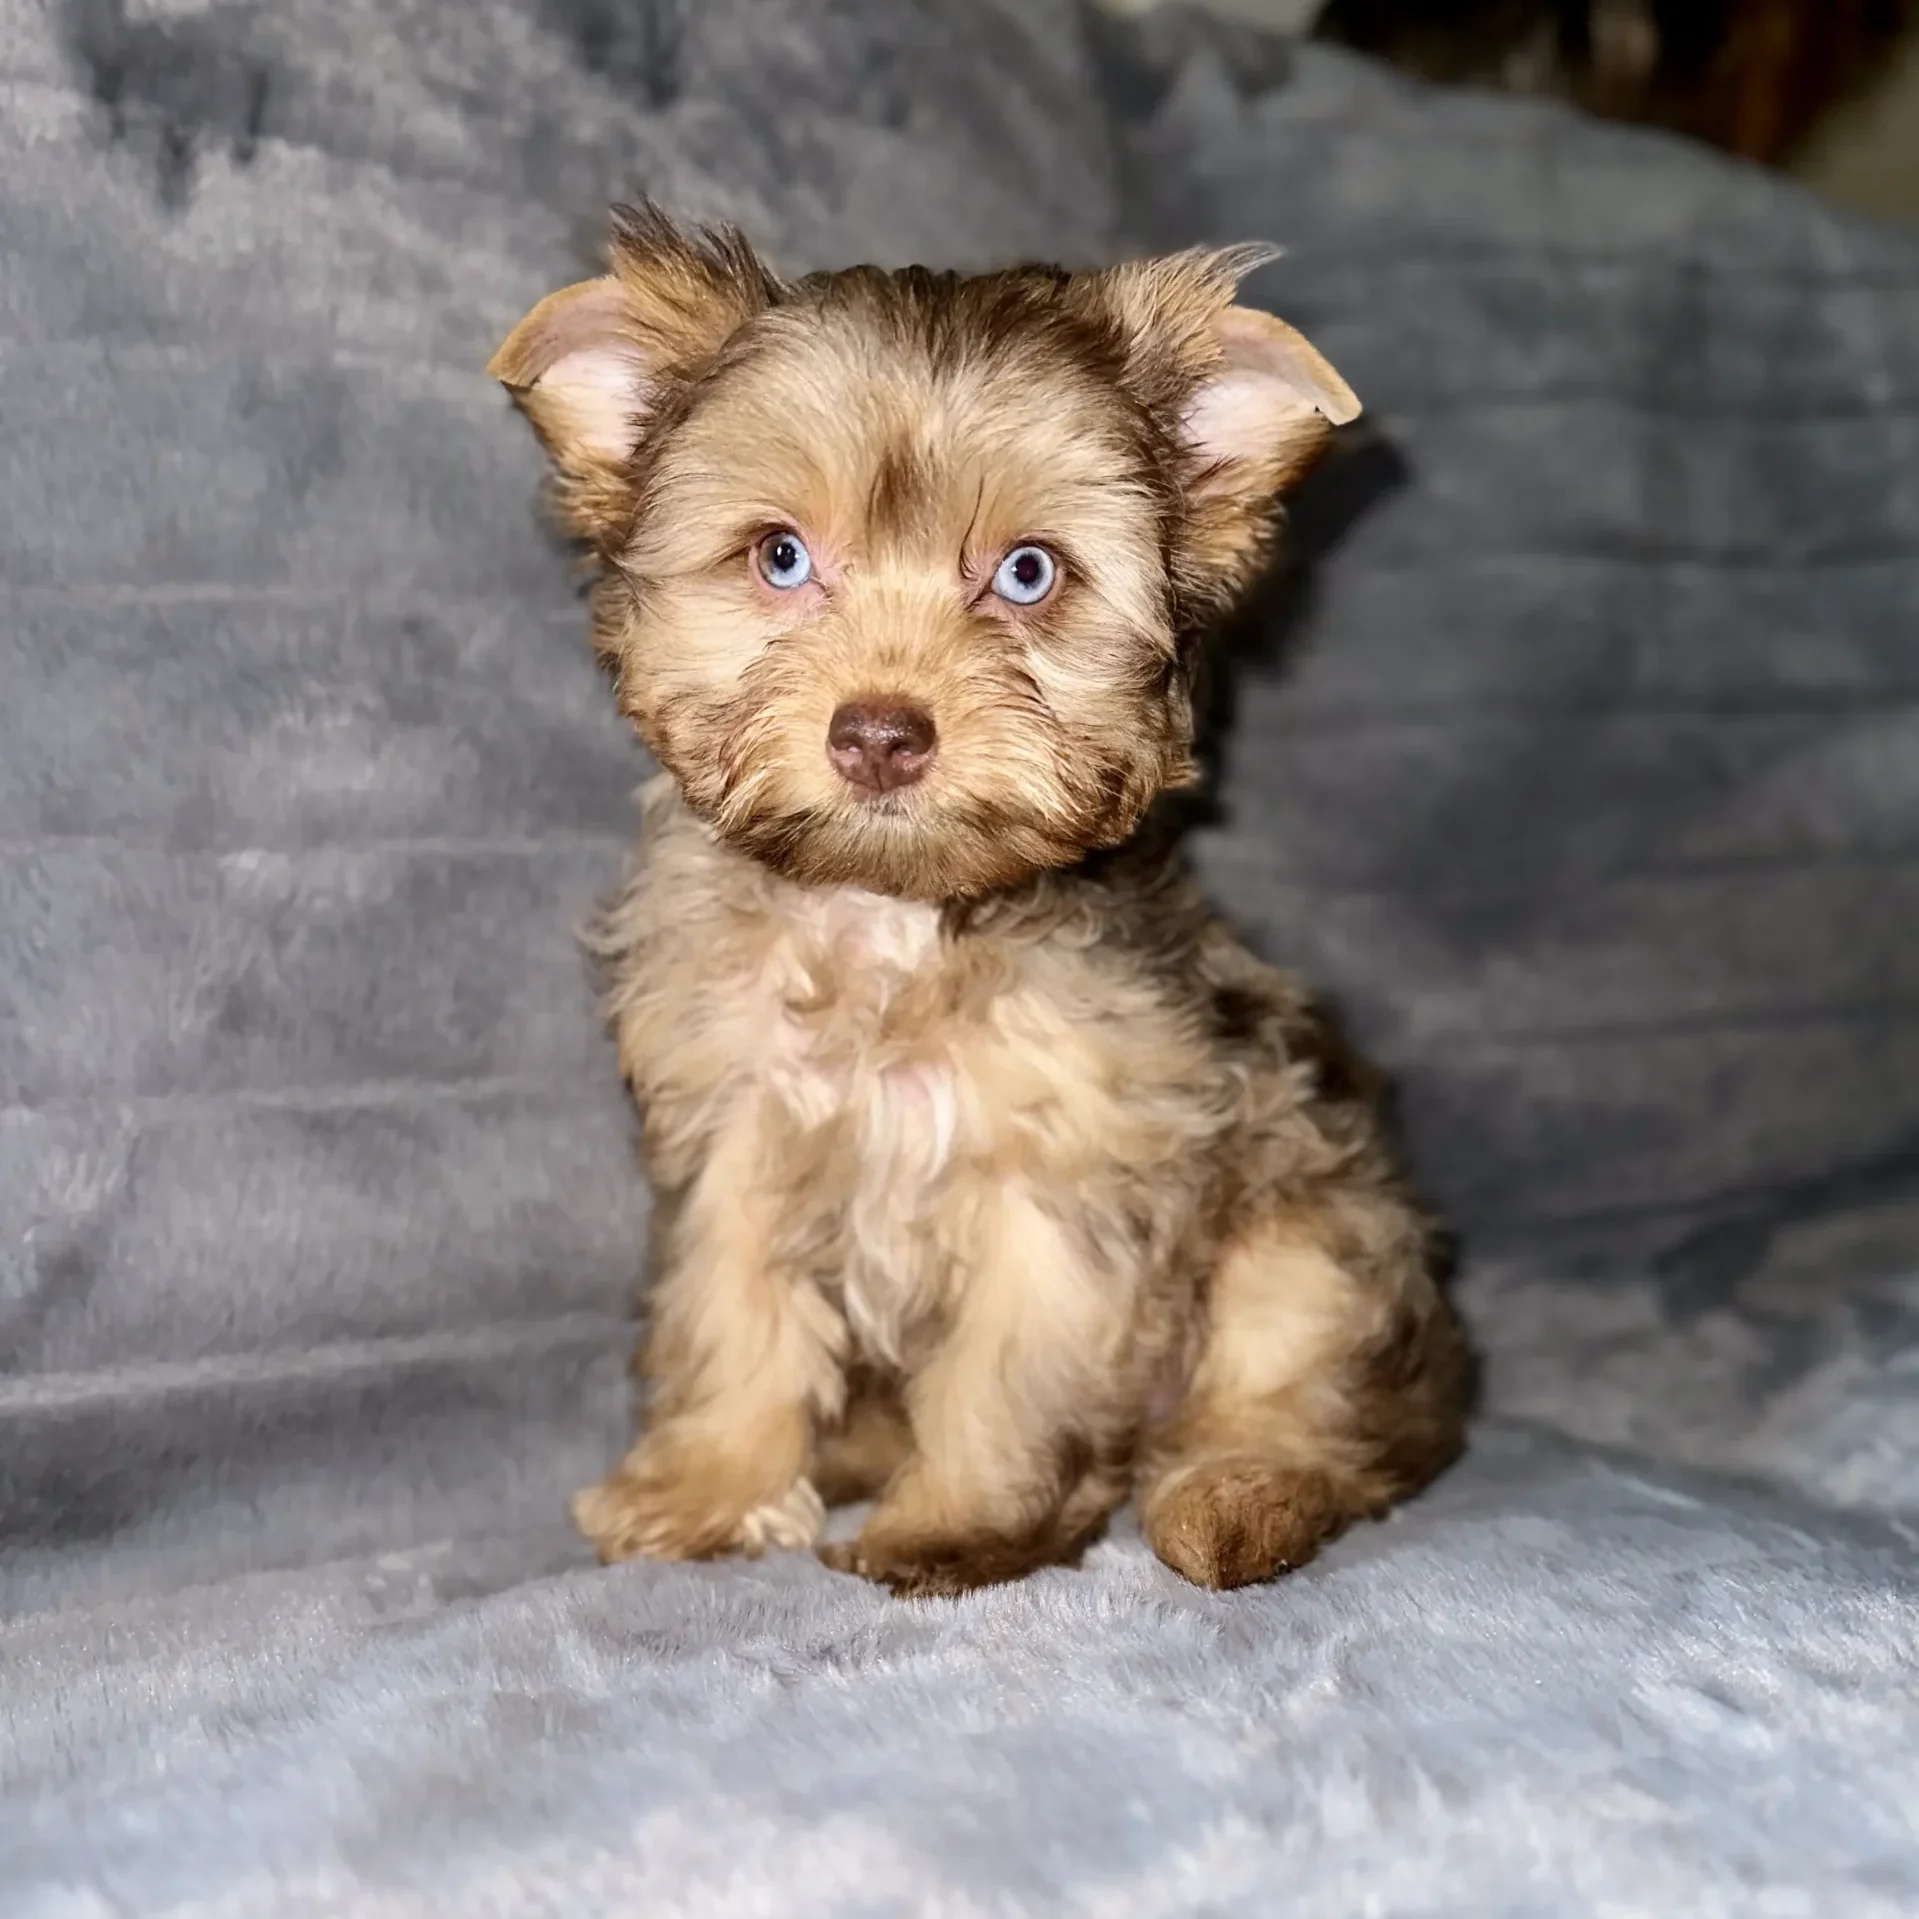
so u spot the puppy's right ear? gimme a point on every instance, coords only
(578, 370)
(591, 364)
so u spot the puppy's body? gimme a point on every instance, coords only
(1069, 1183)
(994, 1177)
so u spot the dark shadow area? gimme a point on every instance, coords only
(637, 44)
(1755, 77)
(170, 85)
(1361, 468)
(1696, 1271)
(1140, 57)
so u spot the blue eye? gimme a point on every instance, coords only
(784, 561)
(1026, 575)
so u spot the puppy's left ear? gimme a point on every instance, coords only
(1251, 402)
(1268, 403)
(1257, 422)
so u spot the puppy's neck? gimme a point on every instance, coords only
(856, 926)
(886, 930)
(861, 928)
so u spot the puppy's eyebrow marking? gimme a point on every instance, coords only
(899, 489)
(966, 538)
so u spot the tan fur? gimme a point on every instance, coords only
(994, 1176)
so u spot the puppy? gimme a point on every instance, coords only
(994, 1178)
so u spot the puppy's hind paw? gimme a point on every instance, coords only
(1232, 1522)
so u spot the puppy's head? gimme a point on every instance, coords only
(902, 572)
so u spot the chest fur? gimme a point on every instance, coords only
(852, 1057)
(848, 998)
(869, 1085)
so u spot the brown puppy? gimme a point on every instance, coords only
(994, 1177)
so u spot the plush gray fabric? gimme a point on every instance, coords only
(1588, 783)
(1552, 1688)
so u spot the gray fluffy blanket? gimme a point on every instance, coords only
(1579, 755)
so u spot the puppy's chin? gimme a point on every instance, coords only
(901, 847)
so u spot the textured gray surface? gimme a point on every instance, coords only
(1554, 1687)
(1589, 783)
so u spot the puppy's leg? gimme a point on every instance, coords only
(739, 1356)
(1017, 1419)
(1325, 1389)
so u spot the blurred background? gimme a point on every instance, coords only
(1827, 90)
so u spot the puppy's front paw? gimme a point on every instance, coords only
(635, 1513)
(931, 1566)
(653, 1509)
(791, 1523)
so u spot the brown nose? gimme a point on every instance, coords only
(880, 747)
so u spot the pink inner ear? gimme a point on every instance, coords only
(1258, 342)
(589, 315)
(601, 381)
(575, 357)
(1243, 416)
(1269, 385)
(596, 397)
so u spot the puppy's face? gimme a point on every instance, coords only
(902, 571)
